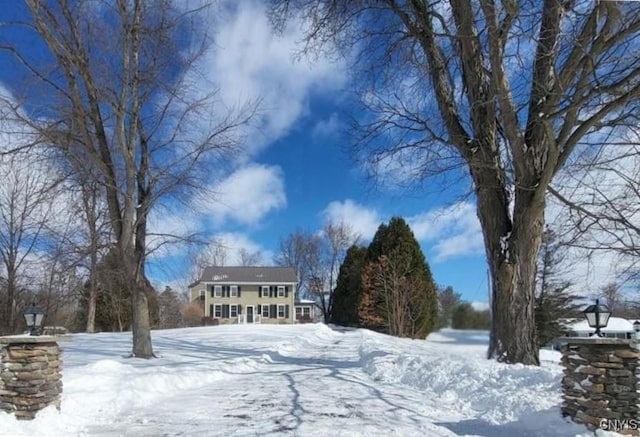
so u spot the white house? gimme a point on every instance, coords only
(246, 294)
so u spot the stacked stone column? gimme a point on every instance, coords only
(30, 377)
(600, 383)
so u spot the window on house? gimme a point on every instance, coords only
(233, 310)
(265, 291)
(234, 291)
(298, 311)
(281, 311)
(217, 291)
(280, 290)
(202, 293)
(217, 311)
(265, 311)
(306, 311)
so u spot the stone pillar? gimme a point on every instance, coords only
(600, 383)
(30, 377)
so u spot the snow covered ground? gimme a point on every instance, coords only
(308, 380)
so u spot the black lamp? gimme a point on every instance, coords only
(597, 316)
(33, 318)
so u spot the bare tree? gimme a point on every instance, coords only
(83, 238)
(192, 314)
(600, 196)
(57, 289)
(94, 212)
(248, 258)
(216, 253)
(613, 297)
(54, 282)
(317, 258)
(299, 250)
(504, 90)
(124, 106)
(26, 200)
(390, 282)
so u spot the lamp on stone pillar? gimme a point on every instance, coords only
(33, 318)
(597, 317)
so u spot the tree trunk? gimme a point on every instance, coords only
(140, 321)
(140, 324)
(90, 208)
(512, 249)
(91, 303)
(91, 312)
(11, 300)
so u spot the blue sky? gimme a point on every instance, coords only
(296, 171)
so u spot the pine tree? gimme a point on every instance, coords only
(554, 301)
(346, 297)
(465, 316)
(113, 299)
(169, 306)
(448, 301)
(397, 285)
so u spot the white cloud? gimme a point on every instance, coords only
(465, 244)
(455, 230)
(247, 195)
(452, 232)
(252, 63)
(326, 128)
(364, 221)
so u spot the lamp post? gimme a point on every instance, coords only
(597, 317)
(33, 318)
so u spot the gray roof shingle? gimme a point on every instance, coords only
(249, 274)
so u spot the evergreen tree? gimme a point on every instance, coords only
(169, 307)
(113, 299)
(448, 301)
(346, 298)
(554, 301)
(461, 315)
(398, 292)
(464, 316)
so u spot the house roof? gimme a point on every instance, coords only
(257, 275)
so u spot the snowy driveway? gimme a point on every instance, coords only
(307, 380)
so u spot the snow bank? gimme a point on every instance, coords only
(497, 392)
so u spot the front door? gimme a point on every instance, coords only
(249, 313)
